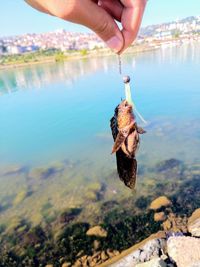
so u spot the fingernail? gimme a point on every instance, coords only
(115, 43)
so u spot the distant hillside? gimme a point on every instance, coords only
(151, 29)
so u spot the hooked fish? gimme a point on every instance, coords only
(125, 132)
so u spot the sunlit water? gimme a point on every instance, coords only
(59, 113)
(56, 112)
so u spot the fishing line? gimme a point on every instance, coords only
(120, 64)
(140, 116)
(126, 80)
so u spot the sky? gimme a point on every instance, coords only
(16, 17)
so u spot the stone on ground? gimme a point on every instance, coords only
(185, 251)
(152, 249)
(194, 223)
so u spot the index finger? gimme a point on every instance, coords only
(131, 20)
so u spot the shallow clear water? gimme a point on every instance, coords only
(58, 115)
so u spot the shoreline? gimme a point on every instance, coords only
(84, 54)
(171, 246)
(77, 56)
(130, 250)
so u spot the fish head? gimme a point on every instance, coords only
(124, 108)
(124, 114)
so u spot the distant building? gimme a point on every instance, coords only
(1, 50)
(95, 44)
(14, 49)
(63, 40)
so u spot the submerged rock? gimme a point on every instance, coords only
(194, 223)
(109, 205)
(175, 224)
(159, 216)
(13, 169)
(97, 231)
(195, 169)
(43, 172)
(57, 166)
(40, 173)
(35, 236)
(46, 172)
(69, 215)
(167, 165)
(20, 197)
(160, 202)
(185, 251)
(142, 202)
(66, 264)
(97, 258)
(95, 191)
(91, 196)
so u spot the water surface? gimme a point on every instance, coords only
(55, 140)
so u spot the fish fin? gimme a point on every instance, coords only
(113, 126)
(136, 143)
(127, 169)
(140, 130)
(121, 137)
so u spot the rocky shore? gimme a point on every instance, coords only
(178, 245)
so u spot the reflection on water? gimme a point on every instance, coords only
(76, 100)
(57, 177)
(187, 52)
(41, 75)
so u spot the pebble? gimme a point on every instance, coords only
(110, 253)
(104, 256)
(77, 264)
(97, 231)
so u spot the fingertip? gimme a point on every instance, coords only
(131, 21)
(115, 43)
(129, 38)
(103, 24)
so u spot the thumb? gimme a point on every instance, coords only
(98, 20)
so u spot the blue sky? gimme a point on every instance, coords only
(16, 17)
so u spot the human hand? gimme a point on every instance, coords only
(100, 16)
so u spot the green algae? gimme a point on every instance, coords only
(61, 206)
